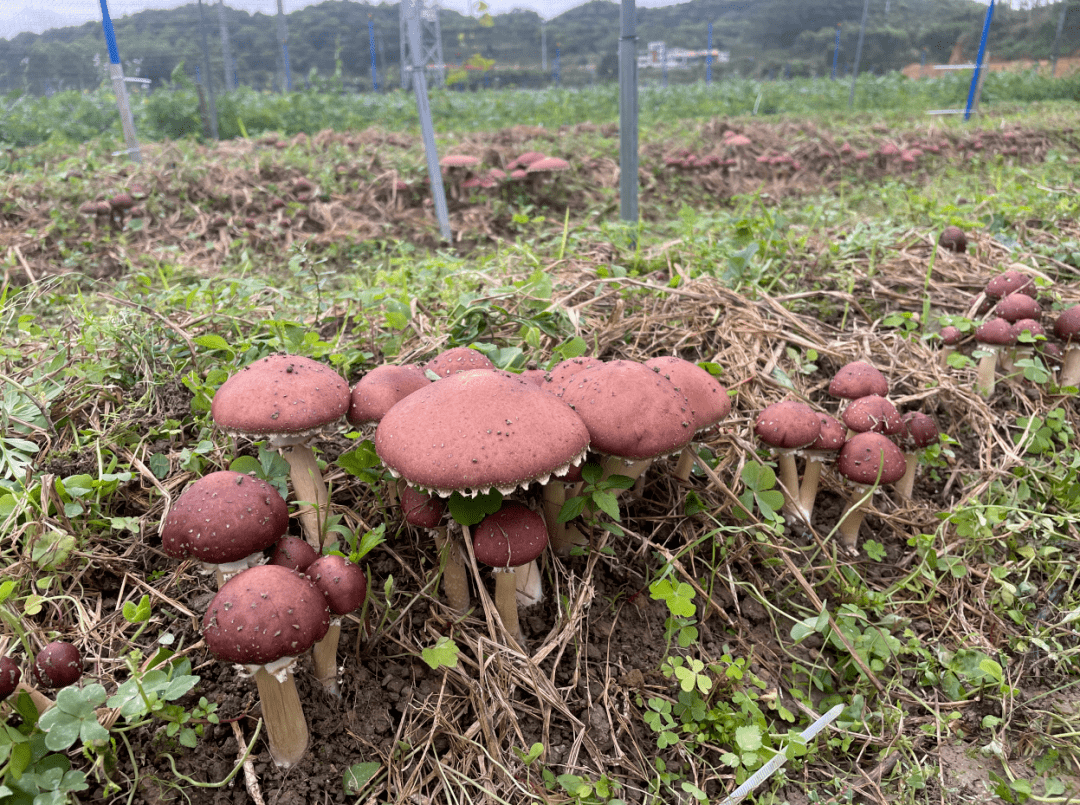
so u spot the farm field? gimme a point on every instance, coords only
(700, 630)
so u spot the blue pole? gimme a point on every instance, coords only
(663, 55)
(288, 72)
(116, 74)
(557, 76)
(979, 61)
(198, 75)
(836, 52)
(371, 44)
(708, 58)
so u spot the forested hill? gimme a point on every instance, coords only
(761, 35)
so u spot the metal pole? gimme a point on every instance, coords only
(836, 51)
(226, 51)
(663, 60)
(628, 114)
(708, 58)
(116, 73)
(973, 90)
(858, 54)
(558, 76)
(371, 45)
(209, 77)
(543, 46)
(423, 108)
(283, 41)
(1057, 39)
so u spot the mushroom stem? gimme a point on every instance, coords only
(506, 601)
(310, 490)
(851, 519)
(984, 381)
(455, 575)
(554, 498)
(685, 463)
(324, 656)
(529, 584)
(286, 727)
(788, 476)
(1070, 367)
(809, 487)
(906, 485)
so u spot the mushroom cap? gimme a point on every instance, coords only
(630, 410)
(1067, 326)
(57, 665)
(788, 425)
(919, 431)
(558, 376)
(737, 140)
(122, 201)
(280, 395)
(263, 614)
(511, 537)
(293, 552)
(873, 414)
(477, 430)
(538, 377)
(381, 388)
(10, 676)
(548, 164)
(223, 517)
(954, 239)
(865, 455)
(458, 161)
(1009, 282)
(422, 509)
(996, 332)
(343, 583)
(858, 379)
(709, 401)
(525, 160)
(951, 336)
(1017, 306)
(832, 435)
(1020, 326)
(457, 359)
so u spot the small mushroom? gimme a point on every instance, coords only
(787, 428)
(868, 460)
(345, 588)
(508, 541)
(57, 665)
(953, 239)
(919, 432)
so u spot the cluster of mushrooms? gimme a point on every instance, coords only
(872, 445)
(1011, 327)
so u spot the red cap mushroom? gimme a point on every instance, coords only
(858, 379)
(57, 665)
(787, 428)
(264, 618)
(954, 239)
(287, 399)
(293, 553)
(992, 336)
(457, 359)
(345, 587)
(867, 460)
(1067, 328)
(919, 432)
(824, 448)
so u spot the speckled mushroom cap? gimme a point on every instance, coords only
(421, 509)
(1020, 326)
(951, 336)
(457, 359)
(381, 388)
(1067, 326)
(511, 537)
(919, 431)
(995, 333)
(866, 454)
(281, 396)
(57, 665)
(548, 164)
(294, 553)
(832, 435)
(263, 614)
(342, 583)
(788, 425)
(709, 401)
(873, 414)
(223, 517)
(858, 379)
(559, 375)
(1010, 282)
(1017, 306)
(10, 675)
(631, 411)
(479, 430)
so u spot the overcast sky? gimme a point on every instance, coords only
(17, 16)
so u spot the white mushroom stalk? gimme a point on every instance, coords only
(283, 713)
(309, 487)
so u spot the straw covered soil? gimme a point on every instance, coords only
(451, 735)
